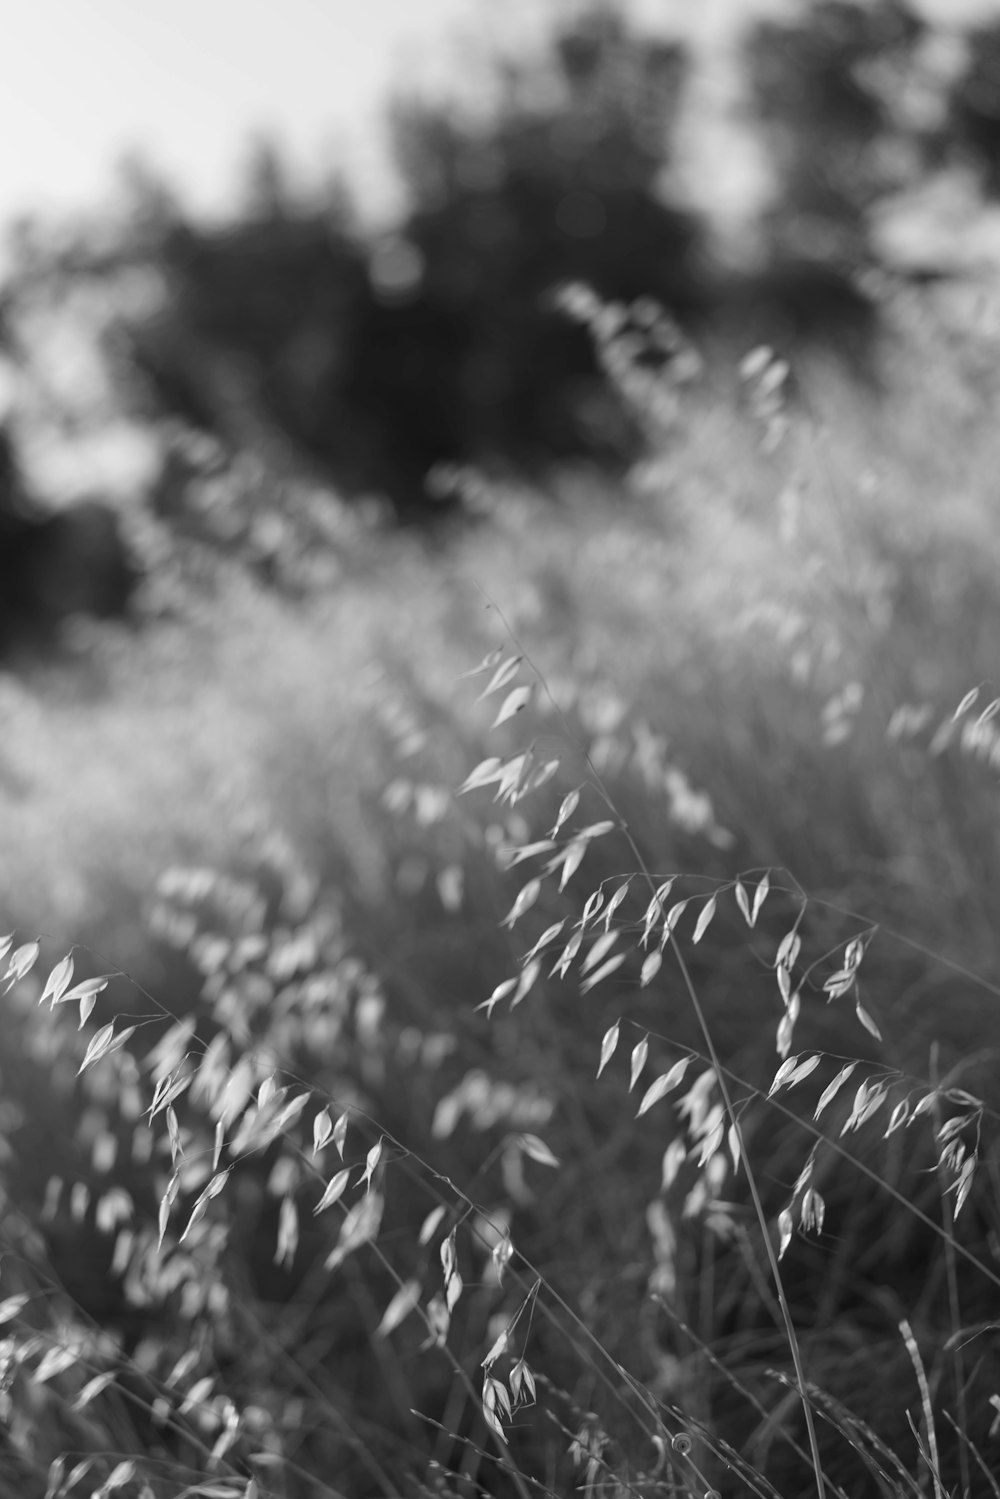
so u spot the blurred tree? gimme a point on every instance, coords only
(439, 341)
(562, 180)
(827, 88)
(838, 90)
(975, 106)
(55, 565)
(258, 321)
(269, 194)
(150, 208)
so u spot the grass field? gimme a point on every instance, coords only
(754, 663)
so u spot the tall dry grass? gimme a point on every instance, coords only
(340, 1202)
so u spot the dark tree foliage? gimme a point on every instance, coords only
(377, 360)
(561, 183)
(829, 88)
(975, 106)
(440, 342)
(824, 87)
(54, 565)
(273, 297)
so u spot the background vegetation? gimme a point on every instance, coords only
(319, 940)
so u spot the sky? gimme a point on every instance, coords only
(188, 83)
